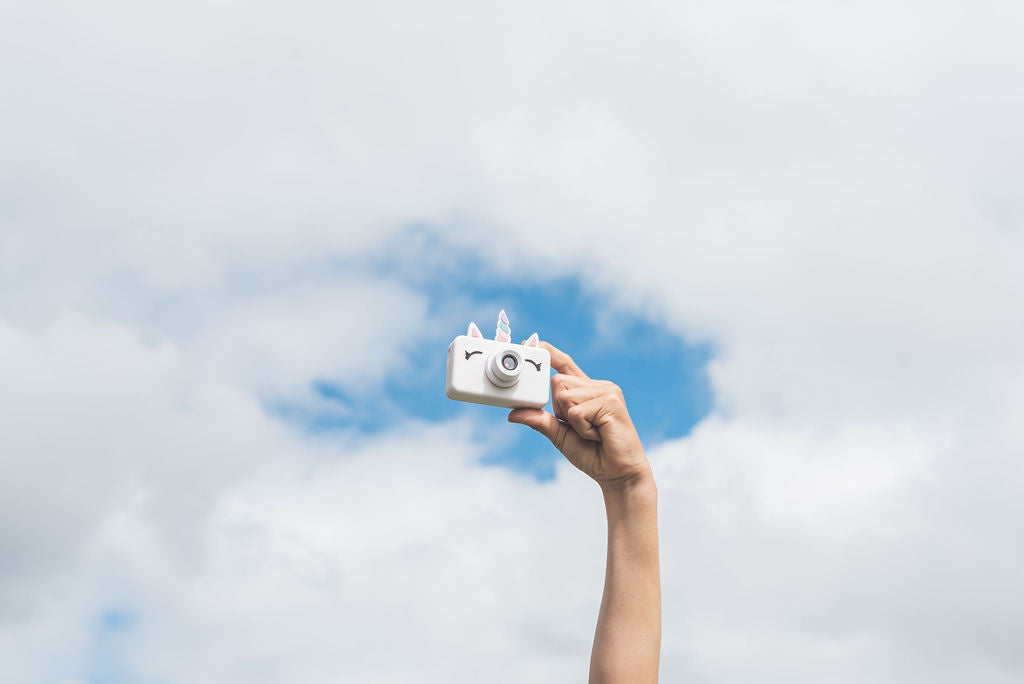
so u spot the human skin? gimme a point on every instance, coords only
(592, 428)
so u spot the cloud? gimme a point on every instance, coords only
(351, 331)
(390, 521)
(205, 210)
(96, 418)
(862, 550)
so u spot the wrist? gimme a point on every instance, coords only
(631, 491)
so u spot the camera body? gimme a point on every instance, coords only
(498, 373)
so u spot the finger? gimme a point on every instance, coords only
(580, 417)
(541, 421)
(560, 382)
(562, 362)
(587, 418)
(565, 399)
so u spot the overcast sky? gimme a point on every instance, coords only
(236, 239)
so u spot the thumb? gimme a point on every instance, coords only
(540, 420)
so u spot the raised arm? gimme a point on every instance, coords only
(592, 428)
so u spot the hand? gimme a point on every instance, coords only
(591, 425)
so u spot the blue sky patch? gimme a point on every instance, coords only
(110, 630)
(663, 378)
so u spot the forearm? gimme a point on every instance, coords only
(627, 643)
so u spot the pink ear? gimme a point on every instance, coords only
(531, 341)
(473, 331)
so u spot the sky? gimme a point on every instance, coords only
(236, 239)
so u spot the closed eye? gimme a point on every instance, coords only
(469, 353)
(536, 365)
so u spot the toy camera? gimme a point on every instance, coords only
(497, 372)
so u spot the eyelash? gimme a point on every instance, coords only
(471, 353)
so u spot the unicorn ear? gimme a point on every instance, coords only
(473, 331)
(531, 341)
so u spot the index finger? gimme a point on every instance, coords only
(562, 362)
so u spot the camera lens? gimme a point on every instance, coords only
(504, 367)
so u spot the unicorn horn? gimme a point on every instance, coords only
(503, 332)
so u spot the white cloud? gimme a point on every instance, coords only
(353, 331)
(354, 544)
(94, 418)
(829, 195)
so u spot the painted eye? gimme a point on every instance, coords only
(535, 364)
(469, 353)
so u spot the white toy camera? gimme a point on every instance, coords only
(497, 372)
